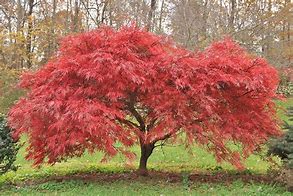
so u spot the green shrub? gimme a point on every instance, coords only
(283, 147)
(8, 147)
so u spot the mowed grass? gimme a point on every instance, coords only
(140, 187)
(170, 158)
(282, 109)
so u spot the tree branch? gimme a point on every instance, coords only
(165, 137)
(131, 108)
(128, 123)
(161, 144)
(152, 124)
(88, 12)
(244, 94)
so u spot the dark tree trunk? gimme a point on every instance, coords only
(151, 15)
(146, 151)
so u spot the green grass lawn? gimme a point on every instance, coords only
(283, 105)
(174, 159)
(121, 188)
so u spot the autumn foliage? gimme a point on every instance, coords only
(130, 86)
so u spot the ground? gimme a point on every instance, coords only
(174, 172)
(126, 184)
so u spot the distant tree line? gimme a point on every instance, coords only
(31, 29)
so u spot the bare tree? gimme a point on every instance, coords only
(151, 15)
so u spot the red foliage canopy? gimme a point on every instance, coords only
(130, 86)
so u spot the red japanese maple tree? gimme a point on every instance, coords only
(130, 86)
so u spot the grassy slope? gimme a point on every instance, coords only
(168, 158)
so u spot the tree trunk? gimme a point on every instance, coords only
(232, 16)
(161, 16)
(146, 151)
(151, 15)
(76, 16)
(29, 34)
(103, 16)
(205, 16)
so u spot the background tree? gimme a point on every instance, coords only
(30, 29)
(8, 147)
(130, 86)
(283, 147)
